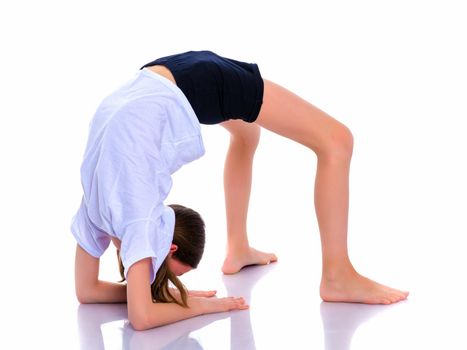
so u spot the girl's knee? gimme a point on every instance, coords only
(340, 144)
(246, 136)
(346, 140)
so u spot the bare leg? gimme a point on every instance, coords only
(289, 115)
(237, 186)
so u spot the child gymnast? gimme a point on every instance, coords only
(145, 131)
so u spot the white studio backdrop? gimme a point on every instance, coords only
(394, 72)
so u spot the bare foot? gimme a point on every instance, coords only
(235, 261)
(352, 287)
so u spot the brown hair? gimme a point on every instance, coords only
(189, 236)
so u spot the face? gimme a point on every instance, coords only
(177, 267)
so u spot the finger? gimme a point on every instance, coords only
(241, 304)
(240, 301)
(237, 304)
(241, 307)
(234, 299)
(200, 293)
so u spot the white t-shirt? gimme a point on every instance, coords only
(140, 135)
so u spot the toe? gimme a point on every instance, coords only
(401, 295)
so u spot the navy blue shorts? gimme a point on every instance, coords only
(217, 88)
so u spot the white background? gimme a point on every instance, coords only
(393, 72)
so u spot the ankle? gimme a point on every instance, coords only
(238, 247)
(337, 269)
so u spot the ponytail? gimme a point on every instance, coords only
(160, 287)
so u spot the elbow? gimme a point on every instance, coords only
(83, 297)
(139, 322)
(143, 321)
(139, 319)
(137, 326)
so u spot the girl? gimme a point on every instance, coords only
(148, 129)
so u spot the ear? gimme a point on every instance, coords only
(173, 248)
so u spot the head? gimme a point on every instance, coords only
(175, 265)
(189, 237)
(185, 254)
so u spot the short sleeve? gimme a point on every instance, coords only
(88, 236)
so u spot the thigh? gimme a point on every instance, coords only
(289, 115)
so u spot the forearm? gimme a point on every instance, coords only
(160, 314)
(144, 314)
(105, 292)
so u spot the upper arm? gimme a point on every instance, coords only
(86, 273)
(139, 298)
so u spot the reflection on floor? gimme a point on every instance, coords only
(91, 318)
(331, 326)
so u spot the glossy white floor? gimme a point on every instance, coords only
(40, 311)
(283, 316)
